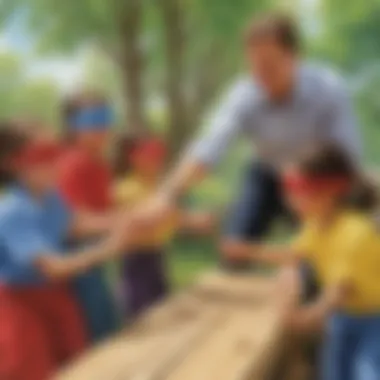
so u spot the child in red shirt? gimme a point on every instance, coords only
(85, 182)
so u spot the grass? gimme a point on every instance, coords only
(188, 258)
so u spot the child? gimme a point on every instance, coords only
(338, 254)
(139, 166)
(340, 243)
(85, 183)
(41, 324)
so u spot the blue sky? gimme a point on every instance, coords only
(64, 70)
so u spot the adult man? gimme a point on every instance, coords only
(285, 105)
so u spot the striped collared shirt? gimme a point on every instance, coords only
(318, 109)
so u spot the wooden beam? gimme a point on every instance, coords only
(224, 327)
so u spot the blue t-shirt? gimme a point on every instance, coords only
(29, 228)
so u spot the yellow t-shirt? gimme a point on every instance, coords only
(348, 250)
(132, 192)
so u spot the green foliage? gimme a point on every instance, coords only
(211, 56)
(23, 97)
(39, 99)
(190, 257)
(210, 29)
(368, 102)
(350, 32)
(10, 79)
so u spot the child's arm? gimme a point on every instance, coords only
(258, 252)
(28, 246)
(85, 223)
(88, 224)
(312, 317)
(56, 267)
(271, 254)
(197, 222)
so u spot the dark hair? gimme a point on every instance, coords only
(12, 140)
(331, 160)
(123, 148)
(279, 27)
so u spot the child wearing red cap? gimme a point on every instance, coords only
(139, 166)
(41, 324)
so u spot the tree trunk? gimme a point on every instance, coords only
(210, 78)
(132, 65)
(173, 23)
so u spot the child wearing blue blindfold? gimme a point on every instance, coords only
(85, 182)
(92, 118)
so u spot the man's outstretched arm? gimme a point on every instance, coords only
(230, 119)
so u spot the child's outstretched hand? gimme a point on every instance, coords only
(258, 252)
(154, 211)
(237, 251)
(198, 222)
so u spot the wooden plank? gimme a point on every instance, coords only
(235, 350)
(173, 349)
(179, 320)
(219, 328)
(248, 290)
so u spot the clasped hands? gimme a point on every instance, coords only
(131, 224)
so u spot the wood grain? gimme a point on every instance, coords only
(224, 327)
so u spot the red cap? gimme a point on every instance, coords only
(38, 152)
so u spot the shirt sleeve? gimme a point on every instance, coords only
(340, 120)
(229, 120)
(22, 237)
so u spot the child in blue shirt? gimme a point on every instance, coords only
(41, 324)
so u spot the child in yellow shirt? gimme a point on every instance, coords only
(340, 243)
(139, 166)
(336, 259)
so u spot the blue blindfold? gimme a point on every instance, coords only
(98, 118)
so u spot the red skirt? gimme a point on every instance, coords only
(40, 329)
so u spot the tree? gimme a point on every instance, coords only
(348, 36)
(10, 80)
(368, 101)
(193, 44)
(350, 32)
(38, 99)
(21, 96)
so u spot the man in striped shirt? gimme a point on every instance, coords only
(283, 105)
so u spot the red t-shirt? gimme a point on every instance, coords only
(85, 181)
